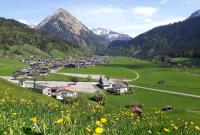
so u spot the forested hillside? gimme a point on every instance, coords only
(13, 33)
(175, 40)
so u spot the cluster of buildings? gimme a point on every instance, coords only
(46, 64)
(58, 92)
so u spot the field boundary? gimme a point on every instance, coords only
(166, 91)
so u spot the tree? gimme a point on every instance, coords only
(15, 75)
(100, 81)
(35, 74)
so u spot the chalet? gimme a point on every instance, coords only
(71, 66)
(44, 89)
(107, 84)
(65, 92)
(119, 87)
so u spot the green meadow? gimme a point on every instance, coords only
(23, 111)
(8, 66)
(150, 74)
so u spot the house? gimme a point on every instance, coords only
(44, 90)
(106, 84)
(71, 66)
(119, 87)
(65, 92)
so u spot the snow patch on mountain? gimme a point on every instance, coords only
(111, 35)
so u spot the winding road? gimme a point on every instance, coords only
(134, 79)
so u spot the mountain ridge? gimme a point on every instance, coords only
(14, 33)
(65, 26)
(180, 39)
(110, 34)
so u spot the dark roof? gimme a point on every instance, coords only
(120, 85)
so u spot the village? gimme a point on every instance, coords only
(60, 90)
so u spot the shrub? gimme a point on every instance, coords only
(99, 96)
(130, 91)
(69, 100)
(74, 79)
(89, 79)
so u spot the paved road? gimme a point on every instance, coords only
(85, 87)
(93, 76)
(166, 91)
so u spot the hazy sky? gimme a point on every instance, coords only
(132, 17)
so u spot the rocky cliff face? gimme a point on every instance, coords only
(65, 26)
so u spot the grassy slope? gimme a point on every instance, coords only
(20, 92)
(8, 66)
(81, 117)
(26, 50)
(150, 74)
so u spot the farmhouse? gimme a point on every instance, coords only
(119, 87)
(44, 89)
(68, 91)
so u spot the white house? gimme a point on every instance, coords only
(107, 84)
(68, 91)
(119, 87)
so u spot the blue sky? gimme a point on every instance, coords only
(132, 17)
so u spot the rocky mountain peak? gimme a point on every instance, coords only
(195, 14)
(63, 25)
(62, 18)
(110, 34)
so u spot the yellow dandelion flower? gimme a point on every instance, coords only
(103, 120)
(34, 119)
(99, 130)
(59, 121)
(88, 129)
(98, 123)
(14, 114)
(166, 130)
(197, 128)
(175, 128)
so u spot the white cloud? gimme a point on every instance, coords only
(140, 28)
(163, 1)
(132, 21)
(23, 21)
(144, 11)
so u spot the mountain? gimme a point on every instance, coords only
(195, 14)
(178, 39)
(110, 35)
(16, 37)
(65, 26)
